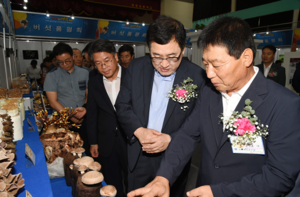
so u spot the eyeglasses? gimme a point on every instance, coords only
(106, 63)
(158, 60)
(65, 62)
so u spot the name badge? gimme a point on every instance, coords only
(256, 148)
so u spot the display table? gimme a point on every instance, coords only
(37, 180)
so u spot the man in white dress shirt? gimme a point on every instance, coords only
(105, 136)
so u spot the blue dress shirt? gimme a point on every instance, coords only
(159, 100)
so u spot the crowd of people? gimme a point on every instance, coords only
(144, 137)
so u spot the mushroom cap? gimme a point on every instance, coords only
(92, 178)
(51, 129)
(95, 166)
(82, 168)
(79, 150)
(77, 162)
(86, 160)
(108, 190)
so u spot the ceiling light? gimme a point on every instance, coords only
(47, 14)
(254, 34)
(127, 22)
(76, 42)
(25, 7)
(116, 45)
(25, 1)
(133, 45)
(143, 24)
(267, 32)
(27, 40)
(72, 17)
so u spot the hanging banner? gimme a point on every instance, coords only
(296, 39)
(27, 24)
(121, 31)
(279, 38)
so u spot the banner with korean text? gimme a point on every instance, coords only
(28, 24)
(121, 31)
(279, 38)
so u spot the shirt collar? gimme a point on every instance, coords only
(165, 78)
(242, 91)
(75, 68)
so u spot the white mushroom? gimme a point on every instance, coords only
(82, 169)
(108, 190)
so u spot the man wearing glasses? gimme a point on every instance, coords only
(66, 85)
(148, 117)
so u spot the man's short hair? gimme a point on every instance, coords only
(33, 63)
(126, 47)
(86, 48)
(47, 59)
(164, 29)
(233, 33)
(61, 48)
(51, 56)
(271, 47)
(101, 45)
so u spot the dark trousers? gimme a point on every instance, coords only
(145, 171)
(114, 168)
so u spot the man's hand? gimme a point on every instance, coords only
(158, 187)
(203, 191)
(144, 134)
(94, 150)
(157, 144)
(76, 121)
(81, 111)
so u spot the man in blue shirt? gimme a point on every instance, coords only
(148, 117)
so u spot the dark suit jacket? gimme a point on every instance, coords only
(296, 79)
(232, 175)
(93, 73)
(280, 78)
(102, 123)
(133, 102)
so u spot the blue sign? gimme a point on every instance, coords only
(111, 30)
(54, 26)
(279, 38)
(188, 39)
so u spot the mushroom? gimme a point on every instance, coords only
(82, 169)
(79, 151)
(108, 191)
(76, 162)
(95, 166)
(71, 166)
(92, 178)
(51, 129)
(86, 160)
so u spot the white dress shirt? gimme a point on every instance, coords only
(230, 102)
(267, 69)
(34, 73)
(113, 87)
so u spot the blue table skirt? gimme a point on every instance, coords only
(37, 180)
